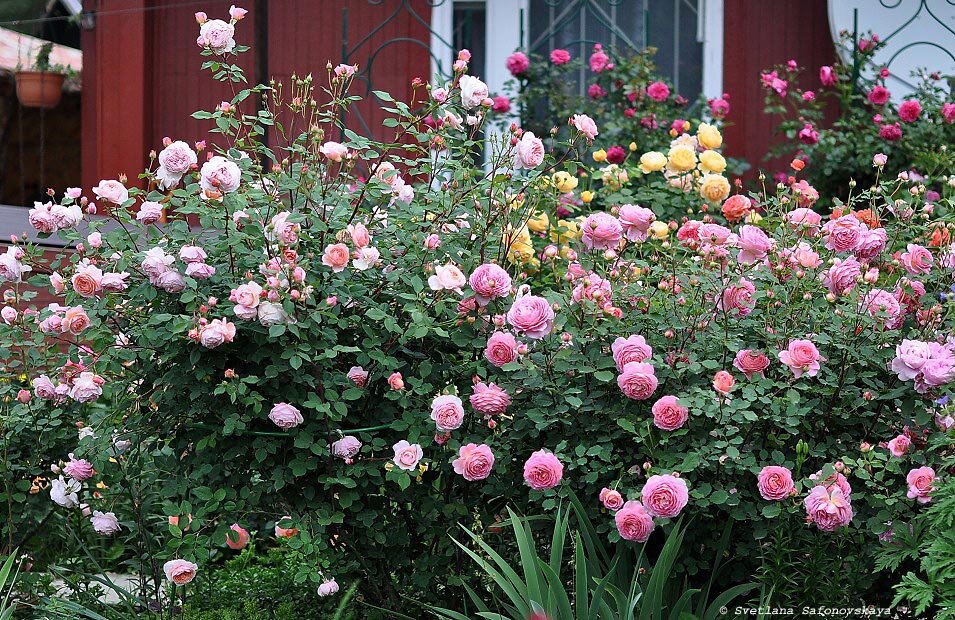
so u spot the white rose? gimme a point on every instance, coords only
(220, 174)
(473, 91)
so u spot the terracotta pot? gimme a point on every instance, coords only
(36, 89)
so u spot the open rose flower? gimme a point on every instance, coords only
(585, 125)
(543, 470)
(447, 277)
(447, 412)
(489, 281)
(775, 483)
(105, 523)
(528, 152)
(611, 499)
(751, 363)
(217, 35)
(664, 496)
(474, 462)
(111, 191)
(899, 445)
(637, 380)
(174, 161)
(501, 348)
(473, 91)
(668, 414)
(237, 537)
(636, 221)
(347, 447)
(920, 483)
(220, 174)
(630, 349)
(601, 231)
(180, 572)
(633, 522)
(407, 455)
(802, 357)
(489, 399)
(532, 316)
(285, 416)
(828, 508)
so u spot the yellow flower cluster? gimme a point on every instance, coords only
(683, 162)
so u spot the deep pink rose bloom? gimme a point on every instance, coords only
(841, 277)
(611, 499)
(664, 496)
(447, 411)
(78, 469)
(668, 414)
(827, 76)
(285, 416)
(890, 133)
(501, 104)
(754, 244)
(601, 231)
(560, 57)
(347, 447)
(599, 61)
(490, 399)
(616, 155)
(630, 349)
(802, 357)
(501, 348)
(636, 221)
(843, 234)
(948, 112)
(634, 522)
(920, 484)
(881, 302)
(898, 446)
(532, 316)
(879, 95)
(517, 63)
(910, 110)
(751, 362)
(595, 91)
(543, 471)
(829, 509)
(775, 483)
(474, 462)
(808, 134)
(658, 91)
(637, 380)
(916, 259)
(737, 299)
(490, 281)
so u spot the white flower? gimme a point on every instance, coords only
(447, 277)
(272, 314)
(473, 91)
(367, 257)
(65, 492)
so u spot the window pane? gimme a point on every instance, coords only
(470, 33)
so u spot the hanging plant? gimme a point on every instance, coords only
(42, 85)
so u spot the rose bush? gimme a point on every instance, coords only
(349, 347)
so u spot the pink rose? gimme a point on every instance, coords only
(284, 230)
(447, 277)
(843, 234)
(658, 91)
(611, 499)
(447, 412)
(78, 469)
(828, 508)
(637, 380)
(489, 281)
(407, 455)
(180, 572)
(43, 388)
(754, 244)
(559, 57)
(346, 448)
(359, 234)
(841, 277)
(543, 471)
(802, 357)
(636, 221)
(237, 537)
(871, 243)
(327, 588)
(285, 532)
(805, 220)
(111, 191)
(713, 234)
(220, 174)
(664, 496)
(916, 259)
(529, 151)
(898, 446)
(345, 71)
(285, 416)
(517, 63)
(601, 231)
(920, 484)
(879, 95)
(750, 363)
(334, 151)
(737, 299)
(358, 376)
(217, 332)
(910, 357)
(634, 522)
(585, 125)
(474, 462)
(880, 302)
(775, 483)
(87, 281)
(41, 218)
(336, 256)
(396, 381)
(668, 414)
(174, 161)
(473, 91)
(532, 316)
(490, 399)
(217, 35)
(910, 110)
(599, 61)
(74, 320)
(631, 349)
(501, 349)
(723, 382)
(105, 523)
(827, 76)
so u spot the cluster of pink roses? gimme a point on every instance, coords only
(663, 496)
(49, 217)
(929, 364)
(75, 382)
(65, 320)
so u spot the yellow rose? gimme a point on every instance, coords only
(539, 222)
(600, 156)
(753, 218)
(659, 230)
(520, 252)
(711, 161)
(516, 235)
(566, 231)
(564, 182)
(633, 147)
(709, 136)
(654, 161)
(586, 196)
(714, 187)
(681, 158)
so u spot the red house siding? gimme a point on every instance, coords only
(757, 35)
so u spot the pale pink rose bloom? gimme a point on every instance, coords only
(611, 499)
(95, 240)
(637, 380)
(366, 258)
(842, 276)
(447, 277)
(432, 242)
(334, 151)
(328, 588)
(843, 234)
(180, 572)
(43, 388)
(805, 220)
(284, 230)
(347, 447)
(220, 174)
(529, 151)
(828, 508)
(880, 302)
(723, 382)
(910, 357)
(87, 281)
(920, 483)
(775, 483)
(217, 36)
(200, 271)
(86, 387)
(751, 362)
(236, 13)
(601, 231)
(105, 523)
(473, 91)
(217, 332)
(41, 218)
(585, 125)
(501, 348)
(474, 462)
(192, 254)
(237, 537)
(156, 262)
(9, 315)
(111, 191)
(285, 416)
(489, 399)
(174, 161)
(359, 234)
(10, 266)
(247, 295)
(336, 256)
(737, 299)
(543, 470)
(754, 244)
(74, 192)
(74, 320)
(78, 469)
(447, 411)
(879, 160)
(802, 357)
(344, 70)
(714, 234)
(668, 414)
(899, 445)
(633, 522)
(489, 281)
(407, 455)
(532, 316)
(396, 381)
(916, 259)
(56, 281)
(636, 221)
(358, 376)
(664, 496)
(170, 281)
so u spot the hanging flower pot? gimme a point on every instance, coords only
(39, 89)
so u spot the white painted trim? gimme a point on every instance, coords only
(503, 38)
(442, 27)
(711, 16)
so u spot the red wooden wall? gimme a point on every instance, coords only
(143, 80)
(756, 35)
